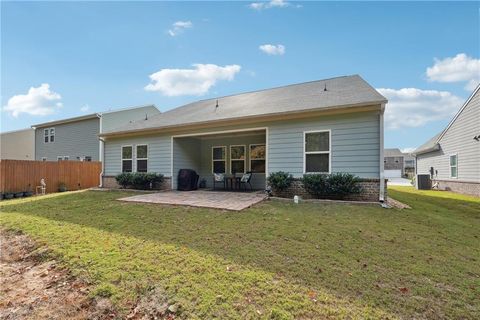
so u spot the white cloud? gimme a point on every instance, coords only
(179, 27)
(407, 150)
(272, 49)
(460, 68)
(38, 101)
(85, 108)
(411, 107)
(196, 81)
(269, 4)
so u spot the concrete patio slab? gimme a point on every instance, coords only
(235, 201)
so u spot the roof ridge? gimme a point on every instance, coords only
(261, 90)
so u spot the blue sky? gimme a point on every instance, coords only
(94, 56)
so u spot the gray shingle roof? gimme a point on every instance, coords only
(395, 152)
(430, 145)
(346, 91)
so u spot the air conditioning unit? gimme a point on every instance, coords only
(424, 182)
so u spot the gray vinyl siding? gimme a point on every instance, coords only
(458, 139)
(355, 147)
(186, 155)
(158, 154)
(75, 139)
(355, 144)
(112, 120)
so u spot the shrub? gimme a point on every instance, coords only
(335, 184)
(343, 184)
(279, 180)
(124, 179)
(316, 184)
(139, 180)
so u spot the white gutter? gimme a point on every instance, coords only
(382, 176)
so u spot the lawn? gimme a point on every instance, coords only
(275, 261)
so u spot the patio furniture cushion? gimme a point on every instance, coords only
(219, 177)
(246, 177)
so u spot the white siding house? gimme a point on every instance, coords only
(452, 158)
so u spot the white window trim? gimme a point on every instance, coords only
(250, 156)
(46, 135)
(244, 157)
(136, 158)
(122, 159)
(224, 159)
(455, 166)
(329, 152)
(47, 130)
(50, 135)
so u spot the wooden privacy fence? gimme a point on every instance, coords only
(25, 175)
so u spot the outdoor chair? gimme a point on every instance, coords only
(42, 187)
(219, 178)
(246, 178)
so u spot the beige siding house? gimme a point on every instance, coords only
(18, 145)
(452, 158)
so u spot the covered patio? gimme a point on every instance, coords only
(235, 201)
(230, 153)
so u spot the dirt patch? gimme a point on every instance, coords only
(33, 286)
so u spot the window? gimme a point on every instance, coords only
(66, 158)
(453, 166)
(59, 158)
(257, 158)
(49, 135)
(317, 152)
(44, 158)
(142, 158)
(218, 159)
(87, 158)
(237, 159)
(127, 158)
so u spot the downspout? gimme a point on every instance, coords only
(101, 152)
(382, 176)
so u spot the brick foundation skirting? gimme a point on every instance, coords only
(111, 183)
(463, 187)
(370, 191)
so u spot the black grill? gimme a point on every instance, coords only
(187, 180)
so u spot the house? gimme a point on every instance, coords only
(398, 164)
(452, 157)
(18, 145)
(325, 126)
(77, 138)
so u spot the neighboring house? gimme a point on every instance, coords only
(452, 157)
(18, 145)
(398, 164)
(325, 126)
(77, 138)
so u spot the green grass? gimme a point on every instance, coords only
(274, 261)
